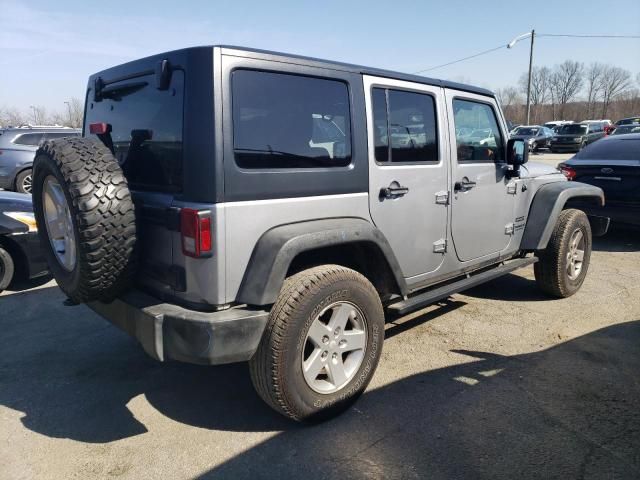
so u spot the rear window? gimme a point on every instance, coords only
(613, 149)
(573, 129)
(146, 129)
(289, 121)
(30, 139)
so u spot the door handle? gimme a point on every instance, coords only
(395, 190)
(464, 185)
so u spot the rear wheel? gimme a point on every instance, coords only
(24, 181)
(322, 344)
(7, 269)
(562, 266)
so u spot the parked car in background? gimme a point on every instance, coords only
(20, 253)
(574, 137)
(18, 148)
(625, 129)
(557, 124)
(628, 121)
(536, 136)
(612, 164)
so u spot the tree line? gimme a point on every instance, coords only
(72, 116)
(573, 91)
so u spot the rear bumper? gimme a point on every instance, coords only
(625, 214)
(565, 147)
(167, 331)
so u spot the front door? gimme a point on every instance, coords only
(483, 196)
(408, 162)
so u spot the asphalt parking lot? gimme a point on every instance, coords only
(500, 382)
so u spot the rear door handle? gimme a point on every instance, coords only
(395, 190)
(464, 185)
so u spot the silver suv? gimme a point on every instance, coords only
(229, 205)
(18, 147)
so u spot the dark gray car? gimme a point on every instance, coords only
(18, 148)
(536, 136)
(574, 137)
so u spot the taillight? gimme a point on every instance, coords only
(99, 128)
(568, 172)
(195, 229)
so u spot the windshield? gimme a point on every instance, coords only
(526, 131)
(573, 129)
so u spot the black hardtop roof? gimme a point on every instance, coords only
(119, 70)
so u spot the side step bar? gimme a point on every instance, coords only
(423, 299)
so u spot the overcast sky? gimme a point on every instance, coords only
(48, 49)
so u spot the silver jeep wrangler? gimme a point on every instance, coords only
(227, 204)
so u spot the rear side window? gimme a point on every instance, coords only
(289, 121)
(478, 138)
(405, 129)
(31, 139)
(146, 129)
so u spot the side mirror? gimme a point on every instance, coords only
(517, 154)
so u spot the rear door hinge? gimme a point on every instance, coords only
(440, 246)
(512, 188)
(442, 198)
(508, 229)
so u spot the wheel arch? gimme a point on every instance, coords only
(287, 249)
(548, 203)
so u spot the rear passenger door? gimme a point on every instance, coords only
(408, 171)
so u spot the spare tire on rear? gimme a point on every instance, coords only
(85, 216)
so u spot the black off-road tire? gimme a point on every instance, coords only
(22, 181)
(551, 269)
(102, 213)
(7, 269)
(276, 367)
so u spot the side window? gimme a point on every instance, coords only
(478, 138)
(290, 121)
(405, 126)
(380, 124)
(31, 139)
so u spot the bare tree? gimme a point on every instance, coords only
(76, 107)
(566, 81)
(615, 80)
(508, 96)
(539, 87)
(12, 117)
(593, 86)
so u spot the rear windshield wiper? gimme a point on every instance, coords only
(116, 92)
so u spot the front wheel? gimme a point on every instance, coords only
(7, 269)
(562, 266)
(322, 344)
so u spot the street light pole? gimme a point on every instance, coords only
(531, 34)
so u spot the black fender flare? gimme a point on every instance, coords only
(546, 206)
(276, 249)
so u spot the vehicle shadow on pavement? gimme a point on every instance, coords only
(509, 288)
(618, 239)
(72, 374)
(572, 411)
(22, 285)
